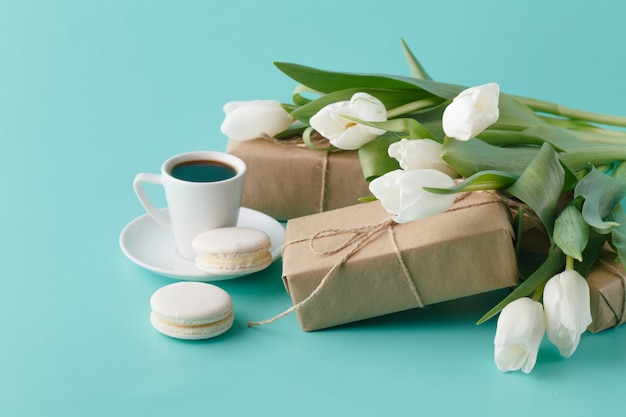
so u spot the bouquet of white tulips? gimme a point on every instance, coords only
(420, 142)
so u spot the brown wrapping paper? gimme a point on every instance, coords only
(288, 180)
(607, 281)
(465, 251)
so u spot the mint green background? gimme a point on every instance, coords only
(92, 92)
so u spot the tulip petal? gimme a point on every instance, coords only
(567, 310)
(385, 189)
(346, 134)
(415, 154)
(402, 193)
(246, 120)
(471, 112)
(519, 332)
(353, 138)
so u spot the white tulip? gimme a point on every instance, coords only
(346, 134)
(471, 112)
(567, 309)
(246, 120)
(420, 154)
(519, 332)
(401, 193)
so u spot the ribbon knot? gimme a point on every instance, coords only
(362, 235)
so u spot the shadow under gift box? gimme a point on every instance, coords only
(287, 180)
(465, 251)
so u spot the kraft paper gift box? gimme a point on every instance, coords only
(465, 251)
(607, 290)
(287, 180)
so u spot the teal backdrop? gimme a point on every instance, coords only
(93, 92)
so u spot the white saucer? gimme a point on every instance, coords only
(150, 245)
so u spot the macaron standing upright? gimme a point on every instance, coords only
(191, 310)
(232, 251)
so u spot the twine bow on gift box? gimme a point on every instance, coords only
(361, 236)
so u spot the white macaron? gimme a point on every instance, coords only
(232, 251)
(191, 310)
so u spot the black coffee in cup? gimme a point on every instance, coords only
(203, 171)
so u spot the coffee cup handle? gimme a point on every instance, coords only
(158, 215)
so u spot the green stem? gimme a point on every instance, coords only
(552, 264)
(538, 292)
(587, 132)
(597, 155)
(557, 109)
(569, 263)
(306, 138)
(600, 136)
(413, 106)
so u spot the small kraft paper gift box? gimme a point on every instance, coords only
(354, 263)
(607, 291)
(285, 179)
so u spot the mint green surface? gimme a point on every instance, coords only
(93, 92)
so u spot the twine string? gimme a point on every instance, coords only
(405, 269)
(361, 236)
(316, 139)
(324, 181)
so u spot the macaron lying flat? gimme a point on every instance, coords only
(191, 310)
(232, 250)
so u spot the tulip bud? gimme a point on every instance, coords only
(246, 120)
(420, 154)
(347, 134)
(519, 332)
(401, 193)
(567, 309)
(471, 112)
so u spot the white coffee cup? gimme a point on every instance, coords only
(206, 195)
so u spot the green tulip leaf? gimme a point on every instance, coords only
(328, 81)
(618, 233)
(560, 139)
(306, 138)
(390, 99)
(297, 96)
(590, 254)
(550, 267)
(515, 116)
(405, 127)
(430, 118)
(417, 70)
(595, 154)
(375, 161)
(541, 184)
(602, 194)
(620, 171)
(473, 156)
(367, 199)
(484, 180)
(570, 180)
(503, 137)
(571, 232)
